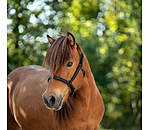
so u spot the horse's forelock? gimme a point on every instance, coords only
(58, 54)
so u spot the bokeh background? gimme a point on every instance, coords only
(108, 31)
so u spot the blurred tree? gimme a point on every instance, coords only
(108, 31)
(28, 24)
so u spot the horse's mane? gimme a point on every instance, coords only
(58, 54)
(68, 109)
(68, 112)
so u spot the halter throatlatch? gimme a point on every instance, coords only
(69, 83)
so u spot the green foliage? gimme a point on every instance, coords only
(108, 31)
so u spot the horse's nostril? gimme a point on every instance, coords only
(51, 99)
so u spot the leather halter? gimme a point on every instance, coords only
(69, 83)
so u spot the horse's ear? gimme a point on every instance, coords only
(71, 39)
(50, 39)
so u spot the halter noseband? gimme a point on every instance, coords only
(69, 83)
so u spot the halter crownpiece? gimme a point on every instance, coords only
(69, 83)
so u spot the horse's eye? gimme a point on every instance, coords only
(69, 64)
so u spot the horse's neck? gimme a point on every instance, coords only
(76, 109)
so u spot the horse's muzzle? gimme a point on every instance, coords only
(53, 102)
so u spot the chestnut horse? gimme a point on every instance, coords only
(65, 97)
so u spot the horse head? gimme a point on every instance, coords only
(65, 61)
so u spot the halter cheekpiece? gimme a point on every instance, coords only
(69, 83)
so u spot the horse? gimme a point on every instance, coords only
(63, 97)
